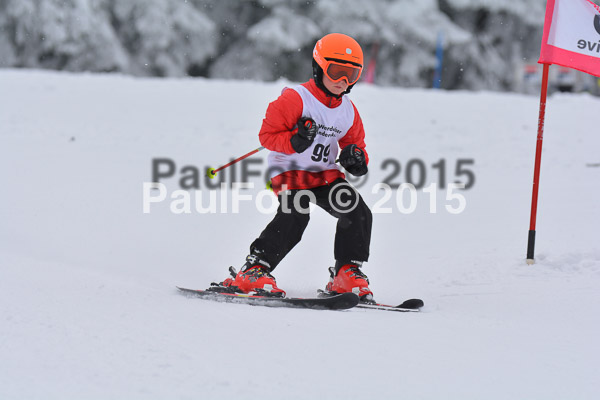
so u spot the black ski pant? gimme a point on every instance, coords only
(341, 200)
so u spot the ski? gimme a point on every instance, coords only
(411, 305)
(342, 301)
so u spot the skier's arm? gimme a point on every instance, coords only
(280, 122)
(355, 135)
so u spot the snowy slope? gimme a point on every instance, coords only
(88, 305)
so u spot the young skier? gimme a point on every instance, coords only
(303, 129)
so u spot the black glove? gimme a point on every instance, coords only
(307, 131)
(353, 159)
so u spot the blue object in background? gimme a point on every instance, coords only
(439, 54)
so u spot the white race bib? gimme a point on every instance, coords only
(332, 123)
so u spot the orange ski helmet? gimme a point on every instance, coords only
(340, 57)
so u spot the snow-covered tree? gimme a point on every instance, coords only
(163, 38)
(278, 44)
(68, 34)
(144, 37)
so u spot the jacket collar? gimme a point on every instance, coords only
(327, 100)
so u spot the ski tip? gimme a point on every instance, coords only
(412, 304)
(348, 300)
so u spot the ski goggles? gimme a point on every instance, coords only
(337, 71)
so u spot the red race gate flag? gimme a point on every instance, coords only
(572, 35)
(571, 39)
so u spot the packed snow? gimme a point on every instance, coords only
(89, 307)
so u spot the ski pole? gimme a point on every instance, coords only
(211, 172)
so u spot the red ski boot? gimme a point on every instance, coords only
(350, 278)
(255, 278)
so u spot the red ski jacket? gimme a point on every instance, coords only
(279, 125)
